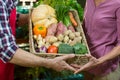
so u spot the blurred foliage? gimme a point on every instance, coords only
(23, 73)
(22, 31)
(82, 3)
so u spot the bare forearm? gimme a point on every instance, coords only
(114, 53)
(27, 59)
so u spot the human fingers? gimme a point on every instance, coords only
(65, 57)
(91, 58)
(94, 59)
(69, 67)
(62, 65)
(75, 65)
(58, 66)
(88, 66)
(88, 55)
(83, 68)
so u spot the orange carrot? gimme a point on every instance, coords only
(72, 19)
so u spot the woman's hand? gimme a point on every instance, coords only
(59, 63)
(92, 63)
(115, 52)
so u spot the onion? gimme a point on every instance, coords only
(37, 49)
(43, 49)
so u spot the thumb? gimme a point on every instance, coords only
(88, 55)
(65, 57)
(84, 67)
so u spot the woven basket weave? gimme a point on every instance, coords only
(79, 59)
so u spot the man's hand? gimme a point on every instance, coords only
(59, 63)
(92, 63)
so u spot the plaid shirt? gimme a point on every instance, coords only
(8, 45)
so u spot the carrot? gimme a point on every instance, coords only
(72, 19)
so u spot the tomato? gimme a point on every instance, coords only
(52, 49)
(40, 30)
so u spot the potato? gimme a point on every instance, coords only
(60, 37)
(52, 39)
(77, 34)
(71, 35)
(47, 44)
(40, 43)
(78, 39)
(57, 43)
(71, 43)
(66, 33)
(66, 39)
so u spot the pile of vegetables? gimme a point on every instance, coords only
(62, 6)
(54, 27)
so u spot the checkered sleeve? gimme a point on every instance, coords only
(8, 45)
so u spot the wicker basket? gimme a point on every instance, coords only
(79, 59)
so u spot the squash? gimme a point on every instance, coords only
(43, 14)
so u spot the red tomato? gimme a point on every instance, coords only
(52, 49)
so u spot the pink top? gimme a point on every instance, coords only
(102, 26)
